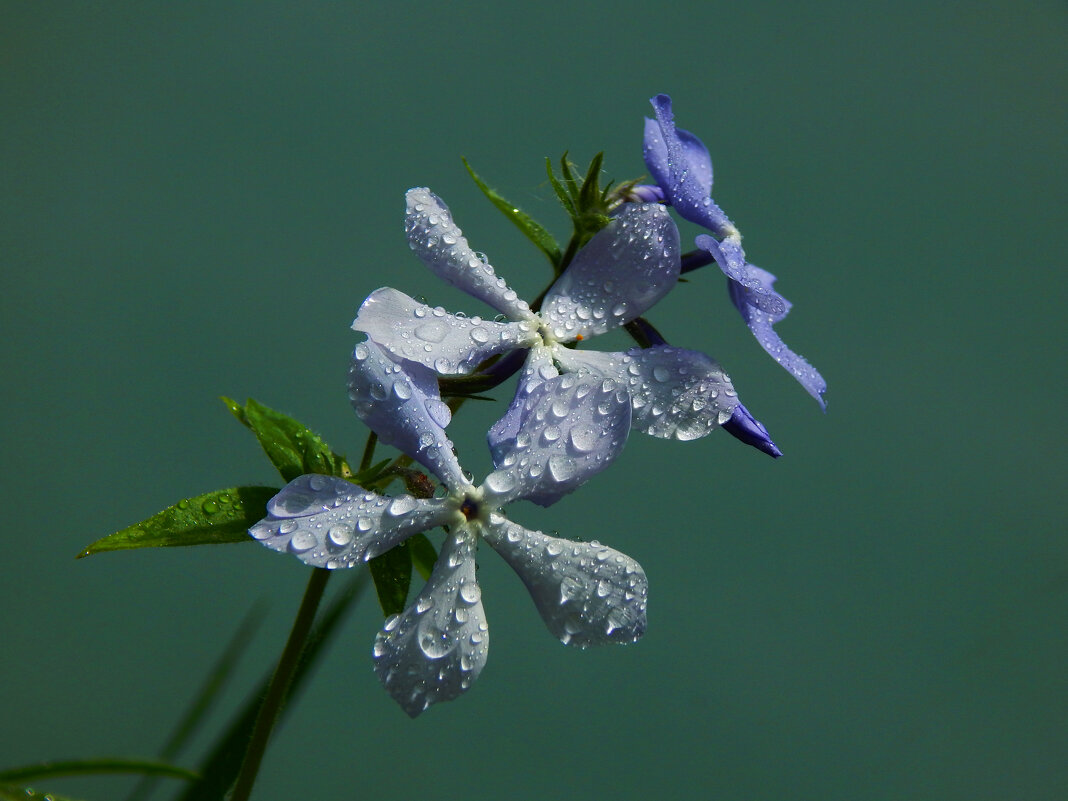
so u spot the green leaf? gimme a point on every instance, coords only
(558, 188)
(371, 474)
(531, 229)
(423, 554)
(29, 794)
(293, 448)
(85, 767)
(392, 574)
(222, 764)
(209, 519)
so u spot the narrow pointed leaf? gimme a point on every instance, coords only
(590, 195)
(558, 188)
(220, 767)
(569, 178)
(292, 447)
(392, 574)
(531, 229)
(86, 767)
(209, 519)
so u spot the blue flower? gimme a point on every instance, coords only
(620, 273)
(682, 168)
(586, 593)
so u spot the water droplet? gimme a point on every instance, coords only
(401, 505)
(361, 352)
(480, 335)
(554, 548)
(561, 467)
(603, 588)
(470, 592)
(432, 641)
(500, 482)
(661, 373)
(302, 541)
(209, 507)
(551, 433)
(583, 440)
(339, 536)
(438, 411)
(402, 389)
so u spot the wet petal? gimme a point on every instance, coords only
(681, 165)
(761, 323)
(329, 522)
(403, 407)
(437, 648)
(626, 268)
(731, 260)
(587, 593)
(441, 245)
(537, 368)
(448, 344)
(570, 428)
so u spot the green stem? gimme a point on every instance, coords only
(368, 451)
(279, 686)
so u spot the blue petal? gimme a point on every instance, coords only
(761, 323)
(570, 428)
(402, 406)
(751, 431)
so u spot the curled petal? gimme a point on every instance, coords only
(761, 322)
(439, 242)
(446, 343)
(731, 260)
(403, 407)
(681, 165)
(438, 646)
(748, 429)
(570, 428)
(537, 368)
(626, 268)
(329, 522)
(587, 593)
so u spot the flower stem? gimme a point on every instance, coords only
(277, 690)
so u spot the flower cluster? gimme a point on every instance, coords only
(572, 412)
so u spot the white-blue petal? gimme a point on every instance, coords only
(329, 522)
(402, 406)
(570, 428)
(440, 243)
(626, 268)
(438, 646)
(586, 593)
(446, 343)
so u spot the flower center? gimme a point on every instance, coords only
(469, 508)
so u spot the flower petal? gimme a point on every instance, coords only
(537, 368)
(403, 407)
(731, 260)
(441, 245)
(681, 165)
(329, 522)
(438, 646)
(446, 343)
(761, 323)
(569, 429)
(587, 593)
(620, 273)
(746, 428)
(675, 393)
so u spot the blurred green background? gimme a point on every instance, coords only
(197, 197)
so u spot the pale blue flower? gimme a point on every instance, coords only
(620, 273)
(568, 430)
(682, 168)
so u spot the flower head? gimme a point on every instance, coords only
(620, 273)
(568, 430)
(682, 168)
